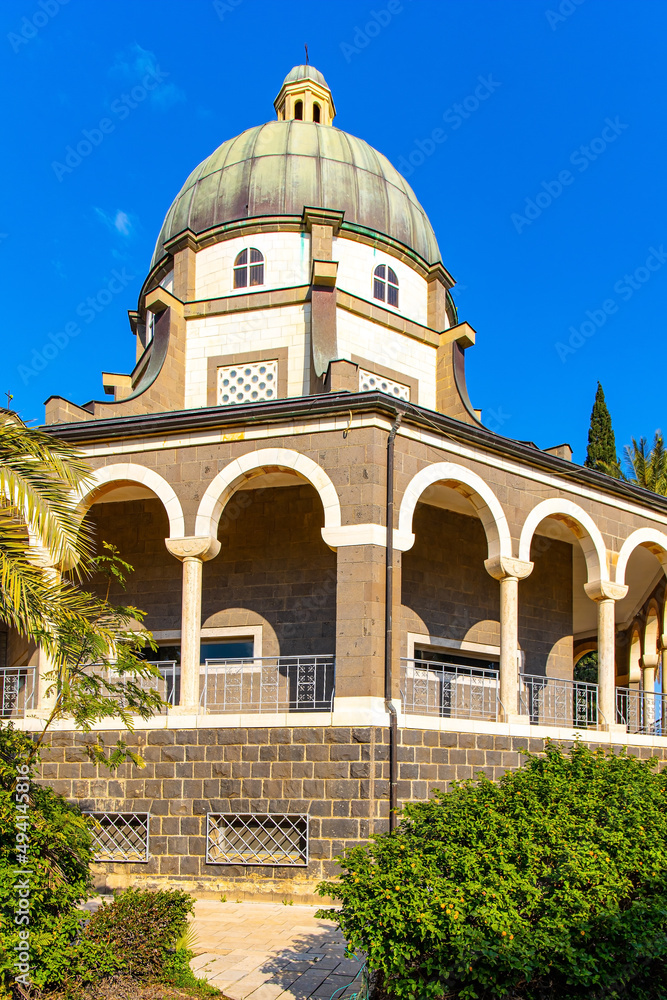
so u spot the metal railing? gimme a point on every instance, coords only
(167, 684)
(642, 711)
(268, 684)
(257, 839)
(557, 701)
(120, 836)
(17, 691)
(448, 690)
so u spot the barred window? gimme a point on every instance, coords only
(248, 270)
(121, 836)
(257, 839)
(385, 285)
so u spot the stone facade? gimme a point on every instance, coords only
(337, 775)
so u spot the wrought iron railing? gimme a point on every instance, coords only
(167, 684)
(268, 684)
(642, 711)
(17, 691)
(448, 690)
(557, 701)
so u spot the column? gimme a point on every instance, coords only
(193, 553)
(508, 572)
(605, 594)
(44, 704)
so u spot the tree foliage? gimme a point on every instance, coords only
(550, 885)
(601, 453)
(96, 649)
(647, 467)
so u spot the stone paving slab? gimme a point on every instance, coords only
(269, 951)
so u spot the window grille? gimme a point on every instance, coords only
(368, 381)
(385, 285)
(121, 836)
(257, 839)
(249, 383)
(248, 274)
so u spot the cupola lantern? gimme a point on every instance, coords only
(305, 96)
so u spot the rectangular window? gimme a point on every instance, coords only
(227, 649)
(257, 839)
(121, 836)
(392, 295)
(240, 277)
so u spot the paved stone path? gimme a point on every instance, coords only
(269, 951)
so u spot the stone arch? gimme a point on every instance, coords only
(468, 484)
(649, 538)
(580, 524)
(256, 463)
(108, 477)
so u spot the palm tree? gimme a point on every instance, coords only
(39, 477)
(648, 467)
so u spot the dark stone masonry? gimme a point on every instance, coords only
(338, 776)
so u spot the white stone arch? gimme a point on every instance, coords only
(468, 484)
(649, 538)
(107, 477)
(580, 524)
(255, 463)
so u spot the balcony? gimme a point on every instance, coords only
(557, 701)
(448, 690)
(641, 711)
(17, 691)
(270, 684)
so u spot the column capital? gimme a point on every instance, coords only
(605, 590)
(650, 661)
(503, 567)
(193, 546)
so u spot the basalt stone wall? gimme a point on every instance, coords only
(338, 776)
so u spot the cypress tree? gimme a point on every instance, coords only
(601, 454)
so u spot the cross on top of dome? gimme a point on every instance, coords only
(305, 96)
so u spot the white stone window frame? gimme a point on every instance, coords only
(441, 644)
(259, 377)
(239, 632)
(399, 390)
(387, 284)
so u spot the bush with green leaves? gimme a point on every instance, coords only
(58, 852)
(549, 885)
(143, 928)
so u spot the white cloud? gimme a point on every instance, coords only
(118, 221)
(133, 63)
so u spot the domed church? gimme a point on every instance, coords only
(360, 593)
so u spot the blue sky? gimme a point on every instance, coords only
(533, 132)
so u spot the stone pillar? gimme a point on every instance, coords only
(508, 572)
(44, 704)
(605, 594)
(650, 663)
(192, 552)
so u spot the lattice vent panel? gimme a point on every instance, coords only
(251, 383)
(369, 381)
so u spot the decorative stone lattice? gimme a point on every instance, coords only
(369, 381)
(250, 383)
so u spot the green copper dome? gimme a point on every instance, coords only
(305, 72)
(282, 167)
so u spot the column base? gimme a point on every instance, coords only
(184, 710)
(614, 727)
(516, 720)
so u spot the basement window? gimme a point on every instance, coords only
(121, 836)
(257, 839)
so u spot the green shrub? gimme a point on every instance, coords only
(141, 928)
(551, 885)
(58, 851)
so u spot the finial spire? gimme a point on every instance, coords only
(306, 48)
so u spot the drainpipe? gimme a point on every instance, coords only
(388, 634)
